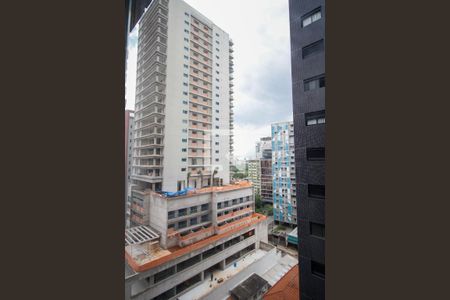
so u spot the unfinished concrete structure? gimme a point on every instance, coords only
(190, 237)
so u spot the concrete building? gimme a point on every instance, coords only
(189, 238)
(283, 171)
(307, 23)
(264, 148)
(183, 99)
(129, 123)
(183, 113)
(254, 174)
(266, 179)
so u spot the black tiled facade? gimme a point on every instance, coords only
(309, 209)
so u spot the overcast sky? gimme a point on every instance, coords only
(262, 81)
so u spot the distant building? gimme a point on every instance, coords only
(264, 148)
(283, 170)
(266, 179)
(254, 174)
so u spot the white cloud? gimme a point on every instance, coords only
(130, 77)
(260, 31)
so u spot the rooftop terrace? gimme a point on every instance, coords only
(147, 255)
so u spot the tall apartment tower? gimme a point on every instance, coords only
(129, 121)
(183, 112)
(307, 26)
(183, 105)
(283, 172)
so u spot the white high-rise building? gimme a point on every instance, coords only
(183, 112)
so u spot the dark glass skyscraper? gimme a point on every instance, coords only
(307, 26)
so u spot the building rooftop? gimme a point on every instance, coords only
(249, 287)
(149, 254)
(216, 189)
(287, 288)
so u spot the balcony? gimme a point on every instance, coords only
(195, 236)
(235, 214)
(199, 110)
(199, 145)
(206, 137)
(200, 85)
(200, 127)
(199, 93)
(204, 28)
(201, 50)
(194, 72)
(203, 102)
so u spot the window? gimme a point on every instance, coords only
(205, 218)
(186, 57)
(315, 154)
(316, 229)
(183, 159)
(185, 84)
(314, 83)
(217, 119)
(205, 206)
(316, 191)
(217, 56)
(217, 79)
(185, 112)
(186, 66)
(217, 42)
(171, 215)
(217, 49)
(183, 150)
(186, 14)
(193, 209)
(183, 169)
(217, 127)
(217, 72)
(182, 224)
(312, 49)
(186, 39)
(315, 118)
(217, 103)
(217, 111)
(182, 212)
(217, 95)
(312, 17)
(187, 31)
(217, 64)
(193, 221)
(185, 75)
(185, 121)
(318, 269)
(185, 102)
(185, 93)
(217, 143)
(217, 159)
(217, 34)
(187, 23)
